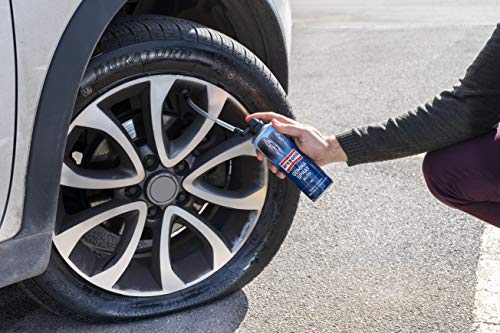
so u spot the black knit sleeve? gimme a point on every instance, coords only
(471, 108)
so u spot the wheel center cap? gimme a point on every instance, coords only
(162, 188)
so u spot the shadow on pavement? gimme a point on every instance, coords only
(18, 313)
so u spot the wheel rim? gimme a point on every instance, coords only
(154, 198)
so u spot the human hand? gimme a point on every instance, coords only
(321, 149)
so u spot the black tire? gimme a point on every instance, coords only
(136, 46)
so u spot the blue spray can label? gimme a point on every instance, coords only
(282, 152)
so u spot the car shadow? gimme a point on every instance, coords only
(18, 313)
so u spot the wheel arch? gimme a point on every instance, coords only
(253, 23)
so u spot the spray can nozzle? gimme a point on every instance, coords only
(252, 128)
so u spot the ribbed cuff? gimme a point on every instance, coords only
(353, 148)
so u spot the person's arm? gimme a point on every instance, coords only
(470, 109)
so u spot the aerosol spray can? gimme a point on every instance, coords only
(282, 152)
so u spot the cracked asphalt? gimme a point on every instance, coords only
(377, 253)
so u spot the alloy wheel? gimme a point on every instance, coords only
(154, 198)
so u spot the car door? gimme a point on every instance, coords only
(8, 102)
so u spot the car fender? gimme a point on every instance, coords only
(27, 254)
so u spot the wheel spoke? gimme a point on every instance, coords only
(81, 223)
(159, 89)
(169, 280)
(172, 152)
(95, 118)
(126, 251)
(246, 198)
(221, 253)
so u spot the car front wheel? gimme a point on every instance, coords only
(160, 210)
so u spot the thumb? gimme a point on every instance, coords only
(288, 129)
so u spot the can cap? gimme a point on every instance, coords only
(255, 126)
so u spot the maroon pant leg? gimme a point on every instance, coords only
(466, 176)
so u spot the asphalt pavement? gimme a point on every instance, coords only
(377, 253)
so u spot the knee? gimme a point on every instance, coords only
(435, 168)
(432, 166)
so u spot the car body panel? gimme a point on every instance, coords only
(8, 98)
(35, 48)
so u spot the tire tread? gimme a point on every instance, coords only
(152, 27)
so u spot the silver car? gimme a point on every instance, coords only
(118, 200)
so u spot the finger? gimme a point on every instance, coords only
(267, 117)
(273, 168)
(288, 129)
(280, 175)
(260, 156)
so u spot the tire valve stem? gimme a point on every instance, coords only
(280, 150)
